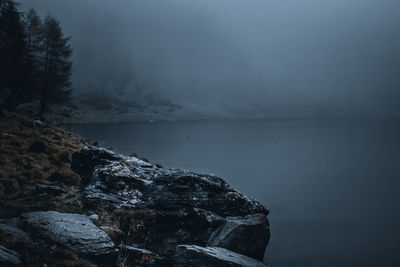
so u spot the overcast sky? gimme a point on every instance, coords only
(288, 55)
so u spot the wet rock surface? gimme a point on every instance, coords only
(74, 231)
(168, 206)
(115, 210)
(8, 257)
(13, 234)
(196, 256)
(127, 182)
(245, 235)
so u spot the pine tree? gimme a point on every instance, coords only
(13, 67)
(56, 64)
(34, 34)
(34, 40)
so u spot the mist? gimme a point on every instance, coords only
(200, 132)
(279, 58)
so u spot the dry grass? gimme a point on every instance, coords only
(31, 154)
(137, 224)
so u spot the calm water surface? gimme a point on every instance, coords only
(333, 187)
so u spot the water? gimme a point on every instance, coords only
(332, 186)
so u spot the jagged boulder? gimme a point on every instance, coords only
(195, 256)
(84, 161)
(13, 234)
(163, 207)
(74, 231)
(9, 257)
(247, 235)
(117, 181)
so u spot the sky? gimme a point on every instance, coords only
(255, 56)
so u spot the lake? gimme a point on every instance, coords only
(332, 186)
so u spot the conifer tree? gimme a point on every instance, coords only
(34, 34)
(13, 66)
(56, 64)
(34, 40)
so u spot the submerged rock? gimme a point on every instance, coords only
(245, 235)
(190, 255)
(9, 257)
(74, 231)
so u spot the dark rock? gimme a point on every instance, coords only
(50, 189)
(49, 139)
(84, 161)
(127, 182)
(195, 256)
(13, 234)
(41, 123)
(9, 135)
(245, 235)
(162, 207)
(8, 257)
(74, 231)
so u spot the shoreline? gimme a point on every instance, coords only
(53, 177)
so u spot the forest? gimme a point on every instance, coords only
(35, 58)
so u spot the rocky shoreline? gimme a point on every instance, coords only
(120, 210)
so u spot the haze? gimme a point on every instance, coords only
(286, 58)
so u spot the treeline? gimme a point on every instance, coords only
(35, 58)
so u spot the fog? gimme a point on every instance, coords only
(283, 57)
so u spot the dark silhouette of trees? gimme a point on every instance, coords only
(34, 57)
(34, 40)
(56, 64)
(12, 51)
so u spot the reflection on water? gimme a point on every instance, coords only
(332, 186)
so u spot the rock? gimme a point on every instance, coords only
(127, 182)
(245, 235)
(9, 257)
(162, 231)
(84, 161)
(49, 139)
(9, 135)
(40, 123)
(94, 217)
(50, 189)
(190, 255)
(13, 234)
(162, 207)
(74, 231)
